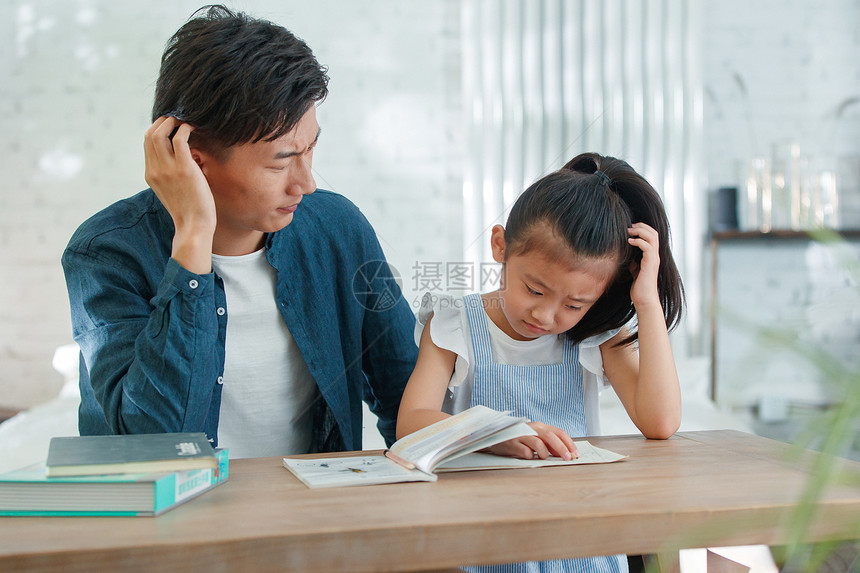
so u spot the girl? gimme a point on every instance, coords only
(585, 250)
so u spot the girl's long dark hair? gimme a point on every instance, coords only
(589, 204)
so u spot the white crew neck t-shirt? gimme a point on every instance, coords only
(267, 388)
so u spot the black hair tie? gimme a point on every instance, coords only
(604, 176)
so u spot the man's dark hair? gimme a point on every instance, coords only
(236, 79)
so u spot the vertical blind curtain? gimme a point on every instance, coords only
(545, 80)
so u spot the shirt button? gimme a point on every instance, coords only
(220, 380)
(220, 311)
(192, 283)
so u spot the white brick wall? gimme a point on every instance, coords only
(74, 99)
(778, 72)
(391, 140)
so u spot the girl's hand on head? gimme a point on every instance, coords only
(644, 289)
(549, 441)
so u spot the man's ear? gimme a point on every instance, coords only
(497, 243)
(204, 159)
(201, 150)
(200, 156)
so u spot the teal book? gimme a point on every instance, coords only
(30, 492)
(129, 453)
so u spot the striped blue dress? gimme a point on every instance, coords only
(551, 394)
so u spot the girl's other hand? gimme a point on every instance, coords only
(549, 441)
(644, 289)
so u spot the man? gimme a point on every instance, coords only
(232, 297)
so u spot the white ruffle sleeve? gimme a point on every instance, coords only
(449, 329)
(590, 357)
(594, 380)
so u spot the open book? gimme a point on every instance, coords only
(451, 444)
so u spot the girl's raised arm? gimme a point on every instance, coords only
(647, 383)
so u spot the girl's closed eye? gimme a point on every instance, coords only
(533, 291)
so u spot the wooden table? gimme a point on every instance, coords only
(697, 489)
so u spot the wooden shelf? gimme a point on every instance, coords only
(734, 241)
(778, 234)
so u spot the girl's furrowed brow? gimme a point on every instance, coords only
(533, 279)
(540, 284)
(581, 300)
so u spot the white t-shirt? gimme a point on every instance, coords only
(268, 390)
(450, 330)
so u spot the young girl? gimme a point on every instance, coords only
(585, 250)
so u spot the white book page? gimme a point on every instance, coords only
(352, 470)
(424, 447)
(515, 431)
(588, 454)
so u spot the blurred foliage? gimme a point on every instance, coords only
(833, 431)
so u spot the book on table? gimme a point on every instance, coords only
(451, 444)
(30, 492)
(129, 453)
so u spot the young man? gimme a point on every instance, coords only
(232, 297)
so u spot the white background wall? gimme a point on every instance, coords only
(777, 72)
(76, 79)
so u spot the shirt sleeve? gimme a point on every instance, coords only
(449, 329)
(590, 358)
(594, 379)
(150, 361)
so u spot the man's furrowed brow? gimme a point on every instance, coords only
(288, 154)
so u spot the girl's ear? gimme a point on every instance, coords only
(497, 243)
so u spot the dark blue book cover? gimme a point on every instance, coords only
(131, 453)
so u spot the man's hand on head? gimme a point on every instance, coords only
(178, 181)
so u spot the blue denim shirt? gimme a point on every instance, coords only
(152, 333)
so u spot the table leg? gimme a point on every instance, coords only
(668, 562)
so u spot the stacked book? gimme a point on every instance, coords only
(142, 474)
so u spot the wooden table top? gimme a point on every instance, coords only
(697, 489)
